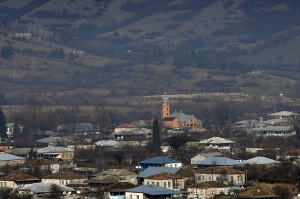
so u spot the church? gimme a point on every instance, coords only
(177, 119)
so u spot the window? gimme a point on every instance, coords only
(169, 184)
(62, 155)
(202, 178)
(137, 197)
(130, 196)
(62, 182)
(175, 165)
(209, 178)
(165, 184)
(148, 182)
(157, 183)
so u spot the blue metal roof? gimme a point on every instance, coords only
(159, 160)
(8, 157)
(153, 190)
(217, 161)
(156, 170)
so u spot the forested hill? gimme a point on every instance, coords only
(203, 45)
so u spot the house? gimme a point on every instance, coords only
(117, 190)
(101, 181)
(11, 127)
(218, 143)
(38, 189)
(260, 161)
(288, 155)
(81, 144)
(227, 175)
(280, 131)
(125, 127)
(54, 141)
(203, 156)
(159, 161)
(165, 179)
(42, 164)
(172, 122)
(282, 115)
(109, 143)
(150, 191)
(22, 152)
(17, 179)
(56, 152)
(21, 143)
(216, 161)
(8, 159)
(64, 178)
(207, 189)
(144, 122)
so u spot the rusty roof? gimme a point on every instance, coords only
(64, 175)
(18, 176)
(120, 186)
(42, 161)
(209, 184)
(125, 125)
(222, 170)
(164, 175)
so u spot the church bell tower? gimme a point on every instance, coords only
(165, 106)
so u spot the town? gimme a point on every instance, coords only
(171, 155)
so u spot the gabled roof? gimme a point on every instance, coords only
(108, 143)
(216, 140)
(217, 161)
(64, 175)
(9, 157)
(117, 172)
(283, 113)
(44, 188)
(209, 184)
(54, 150)
(18, 176)
(183, 117)
(41, 161)
(164, 176)
(222, 170)
(272, 128)
(208, 155)
(104, 179)
(260, 160)
(155, 170)
(159, 160)
(169, 118)
(127, 126)
(120, 186)
(153, 190)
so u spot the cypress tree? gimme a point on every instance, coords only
(3, 127)
(156, 134)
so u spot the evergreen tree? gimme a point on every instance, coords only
(156, 134)
(3, 127)
(61, 53)
(71, 56)
(7, 52)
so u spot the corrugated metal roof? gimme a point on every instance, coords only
(8, 157)
(217, 161)
(216, 140)
(44, 187)
(283, 113)
(153, 190)
(260, 160)
(54, 150)
(159, 160)
(155, 170)
(183, 117)
(272, 128)
(108, 143)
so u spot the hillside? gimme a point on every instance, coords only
(130, 48)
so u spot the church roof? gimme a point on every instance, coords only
(165, 98)
(183, 117)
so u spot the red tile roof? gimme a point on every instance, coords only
(163, 176)
(169, 118)
(17, 176)
(209, 184)
(64, 175)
